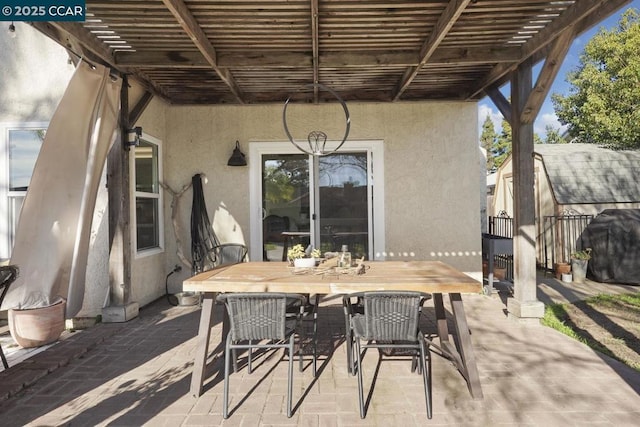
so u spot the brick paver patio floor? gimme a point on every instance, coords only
(138, 373)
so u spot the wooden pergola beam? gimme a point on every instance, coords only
(581, 15)
(81, 41)
(500, 101)
(547, 75)
(139, 108)
(76, 38)
(448, 18)
(315, 48)
(443, 56)
(188, 22)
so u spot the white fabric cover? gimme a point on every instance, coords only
(53, 234)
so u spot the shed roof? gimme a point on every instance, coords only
(587, 173)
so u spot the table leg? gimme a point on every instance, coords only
(441, 319)
(470, 369)
(202, 349)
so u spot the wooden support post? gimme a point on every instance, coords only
(524, 304)
(120, 308)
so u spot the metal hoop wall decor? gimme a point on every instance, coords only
(317, 139)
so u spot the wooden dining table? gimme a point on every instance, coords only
(434, 277)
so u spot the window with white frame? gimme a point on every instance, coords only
(18, 154)
(146, 176)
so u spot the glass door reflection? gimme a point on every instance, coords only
(343, 203)
(285, 204)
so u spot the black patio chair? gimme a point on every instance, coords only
(234, 253)
(390, 320)
(229, 253)
(255, 318)
(352, 305)
(308, 314)
(8, 274)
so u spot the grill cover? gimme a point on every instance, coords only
(614, 237)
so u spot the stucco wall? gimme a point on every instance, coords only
(431, 170)
(431, 165)
(35, 72)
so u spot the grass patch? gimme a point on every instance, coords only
(632, 300)
(556, 317)
(577, 321)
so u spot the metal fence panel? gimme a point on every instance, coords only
(558, 237)
(562, 236)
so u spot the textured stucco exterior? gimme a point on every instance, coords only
(431, 167)
(35, 72)
(432, 206)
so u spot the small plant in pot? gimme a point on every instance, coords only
(579, 261)
(300, 257)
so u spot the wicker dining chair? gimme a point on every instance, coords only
(352, 305)
(390, 320)
(229, 253)
(308, 314)
(259, 320)
(8, 274)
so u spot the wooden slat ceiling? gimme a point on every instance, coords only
(260, 51)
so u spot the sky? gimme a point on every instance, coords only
(547, 115)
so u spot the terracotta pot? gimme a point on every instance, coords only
(499, 273)
(562, 268)
(35, 327)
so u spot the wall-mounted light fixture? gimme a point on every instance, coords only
(237, 157)
(133, 136)
(12, 31)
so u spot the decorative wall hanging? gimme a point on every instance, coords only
(317, 139)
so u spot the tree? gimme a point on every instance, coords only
(553, 135)
(498, 146)
(537, 139)
(602, 106)
(487, 139)
(502, 146)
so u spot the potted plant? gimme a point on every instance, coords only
(300, 257)
(579, 261)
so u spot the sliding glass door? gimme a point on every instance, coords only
(326, 202)
(285, 203)
(343, 203)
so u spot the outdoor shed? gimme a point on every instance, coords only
(572, 180)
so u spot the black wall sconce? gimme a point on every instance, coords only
(133, 136)
(237, 157)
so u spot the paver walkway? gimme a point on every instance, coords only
(138, 374)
